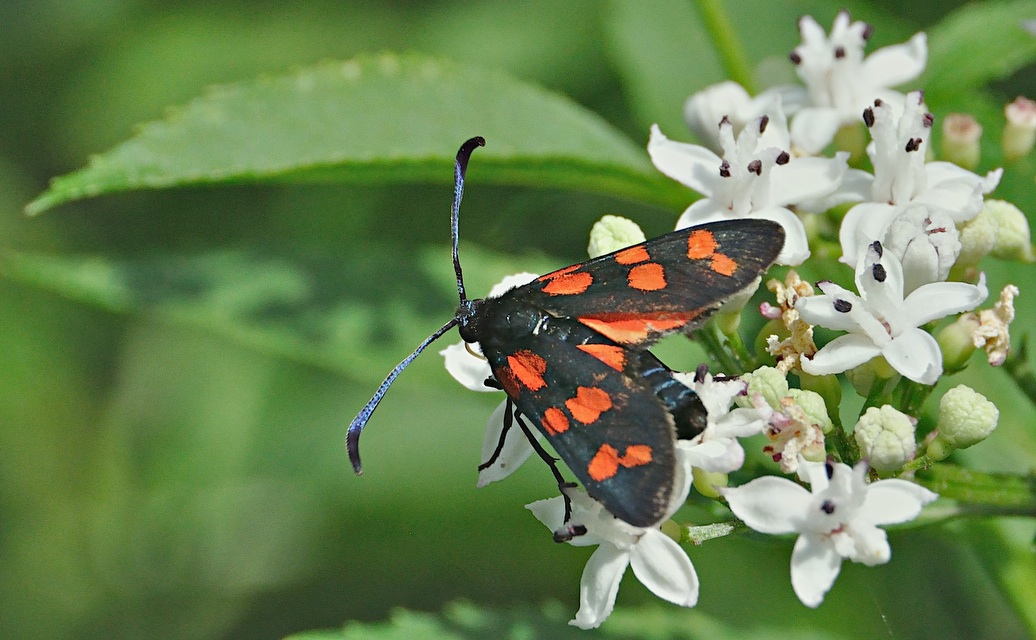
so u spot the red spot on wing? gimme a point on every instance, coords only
(564, 283)
(701, 244)
(723, 265)
(606, 462)
(633, 329)
(507, 380)
(589, 404)
(527, 368)
(647, 277)
(632, 255)
(554, 421)
(610, 354)
(558, 273)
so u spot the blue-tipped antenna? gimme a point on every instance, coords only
(352, 438)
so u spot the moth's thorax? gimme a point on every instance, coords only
(498, 320)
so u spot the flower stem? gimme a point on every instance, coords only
(989, 490)
(711, 338)
(726, 42)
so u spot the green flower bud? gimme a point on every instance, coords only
(956, 342)
(769, 382)
(886, 438)
(813, 405)
(977, 239)
(960, 140)
(706, 482)
(828, 387)
(612, 233)
(1020, 130)
(1013, 240)
(965, 418)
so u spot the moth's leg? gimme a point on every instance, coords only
(508, 423)
(567, 530)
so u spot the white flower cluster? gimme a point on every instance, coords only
(913, 234)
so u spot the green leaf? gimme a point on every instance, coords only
(318, 310)
(979, 43)
(385, 118)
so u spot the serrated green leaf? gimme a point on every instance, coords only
(385, 118)
(318, 310)
(976, 44)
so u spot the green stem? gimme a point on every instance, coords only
(728, 45)
(711, 338)
(987, 490)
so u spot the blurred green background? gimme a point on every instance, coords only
(159, 480)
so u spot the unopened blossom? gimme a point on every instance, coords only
(840, 81)
(926, 242)
(885, 436)
(748, 181)
(903, 178)
(880, 321)
(966, 418)
(961, 133)
(612, 233)
(717, 449)
(1020, 131)
(837, 518)
(799, 342)
(1013, 237)
(657, 560)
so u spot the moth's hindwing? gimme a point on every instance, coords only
(667, 284)
(591, 401)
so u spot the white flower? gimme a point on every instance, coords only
(716, 448)
(472, 371)
(657, 560)
(902, 177)
(750, 180)
(840, 82)
(705, 109)
(838, 518)
(880, 321)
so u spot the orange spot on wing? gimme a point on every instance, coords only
(632, 330)
(610, 354)
(632, 255)
(606, 462)
(528, 368)
(723, 265)
(589, 404)
(701, 244)
(568, 284)
(647, 277)
(558, 273)
(554, 421)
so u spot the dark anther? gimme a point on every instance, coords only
(724, 169)
(795, 58)
(756, 167)
(913, 144)
(878, 249)
(763, 121)
(724, 120)
(868, 117)
(843, 306)
(783, 158)
(829, 469)
(839, 52)
(868, 31)
(566, 533)
(878, 271)
(827, 507)
(878, 102)
(928, 120)
(699, 373)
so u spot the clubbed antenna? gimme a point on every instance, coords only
(352, 438)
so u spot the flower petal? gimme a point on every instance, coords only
(814, 567)
(599, 586)
(662, 566)
(689, 164)
(863, 224)
(893, 501)
(916, 355)
(718, 454)
(940, 299)
(841, 354)
(870, 545)
(896, 64)
(814, 127)
(467, 369)
(808, 178)
(769, 504)
(515, 451)
(796, 244)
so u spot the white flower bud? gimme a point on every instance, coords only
(768, 382)
(886, 438)
(966, 417)
(926, 242)
(612, 233)
(1013, 239)
(960, 140)
(1020, 132)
